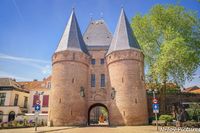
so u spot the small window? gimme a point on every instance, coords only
(2, 99)
(1, 116)
(93, 61)
(136, 100)
(16, 99)
(102, 61)
(102, 80)
(73, 56)
(93, 80)
(25, 102)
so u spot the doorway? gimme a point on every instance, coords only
(11, 116)
(98, 115)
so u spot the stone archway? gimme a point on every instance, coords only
(98, 105)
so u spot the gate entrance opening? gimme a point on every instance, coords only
(98, 115)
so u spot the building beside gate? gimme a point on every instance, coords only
(13, 99)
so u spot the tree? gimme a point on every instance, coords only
(170, 40)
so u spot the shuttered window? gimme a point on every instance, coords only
(45, 102)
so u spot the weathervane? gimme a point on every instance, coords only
(101, 15)
(91, 16)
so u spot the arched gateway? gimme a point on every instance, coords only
(95, 73)
(98, 114)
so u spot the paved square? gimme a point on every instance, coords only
(123, 129)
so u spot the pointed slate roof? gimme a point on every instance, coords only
(123, 37)
(72, 38)
(97, 34)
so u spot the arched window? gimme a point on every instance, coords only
(1, 116)
(11, 116)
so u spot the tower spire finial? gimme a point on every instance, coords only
(73, 8)
(122, 7)
(91, 16)
(101, 15)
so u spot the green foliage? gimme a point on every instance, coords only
(104, 111)
(151, 119)
(170, 39)
(167, 118)
(194, 111)
(172, 91)
(190, 113)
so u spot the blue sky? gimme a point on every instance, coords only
(31, 29)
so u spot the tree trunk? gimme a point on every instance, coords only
(163, 97)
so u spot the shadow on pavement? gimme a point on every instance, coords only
(107, 126)
(56, 130)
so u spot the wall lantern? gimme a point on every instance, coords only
(82, 92)
(113, 93)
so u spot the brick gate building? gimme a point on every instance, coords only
(98, 69)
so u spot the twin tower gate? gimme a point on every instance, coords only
(78, 68)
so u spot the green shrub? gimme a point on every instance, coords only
(193, 113)
(167, 118)
(151, 119)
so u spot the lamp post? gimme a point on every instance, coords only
(154, 91)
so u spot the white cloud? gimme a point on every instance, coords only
(18, 10)
(42, 65)
(46, 70)
(23, 59)
(9, 75)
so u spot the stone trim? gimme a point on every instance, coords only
(55, 62)
(124, 55)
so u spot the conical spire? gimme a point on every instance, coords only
(123, 37)
(72, 38)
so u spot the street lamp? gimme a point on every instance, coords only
(113, 93)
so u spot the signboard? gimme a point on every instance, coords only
(155, 101)
(37, 107)
(155, 108)
(38, 102)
